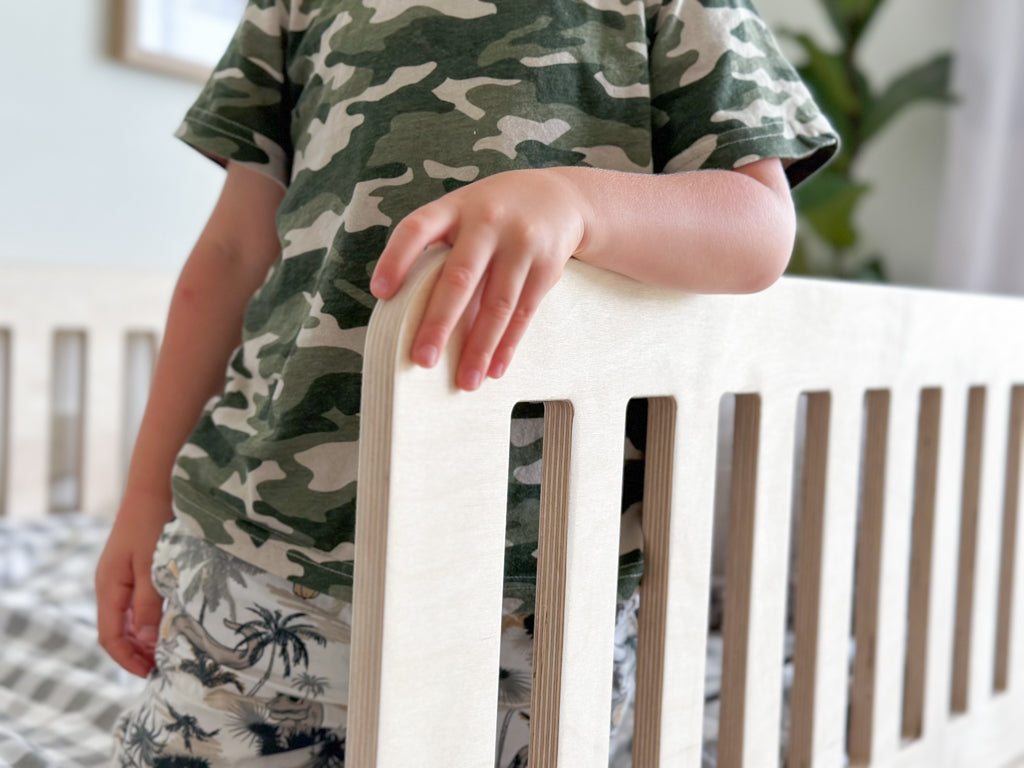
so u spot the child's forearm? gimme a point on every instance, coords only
(204, 323)
(704, 231)
(512, 233)
(202, 328)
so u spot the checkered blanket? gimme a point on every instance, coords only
(59, 692)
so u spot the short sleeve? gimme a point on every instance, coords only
(242, 114)
(723, 95)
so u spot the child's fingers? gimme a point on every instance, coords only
(535, 289)
(147, 606)
(500, 302)
(114, 595)
(414, 233)
(458, 281)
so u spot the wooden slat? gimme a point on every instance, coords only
(809, 544)
(656, 520)
(5, 414)
(31, 384)
(756, 578)
(431, 533)
(990, 508)
(883, 563)
(922, 534)
(938, 590)
(677, 566)
(591, 567)
(968, 548)
(103, 420)
(1009, 571)
(867, 586)
(825, 563)
(1015, 618)
(549, 615)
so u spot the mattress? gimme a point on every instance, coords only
(60, 694)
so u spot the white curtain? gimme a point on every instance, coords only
(981, 238)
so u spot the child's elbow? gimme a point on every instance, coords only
(768, 254)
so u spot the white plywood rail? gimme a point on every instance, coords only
(102, 307)
(430, 535)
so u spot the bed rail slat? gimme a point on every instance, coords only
(990, 507)
(755, 609)
(825, 563)
(894, 563)
(443, 593)
(31, 384)
(1007, 627)
(550, 606)
(592, 550)
(968, 538)
(938, 585)
(104, 417)
(677, 563)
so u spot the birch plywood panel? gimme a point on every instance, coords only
(433, 467)
(103, 308)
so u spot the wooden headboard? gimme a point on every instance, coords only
(912, 470)
(76, 347)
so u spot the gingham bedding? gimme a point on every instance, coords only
(59, 693)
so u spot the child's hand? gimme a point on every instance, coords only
(510, 236)
(128, 607)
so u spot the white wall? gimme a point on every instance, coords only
(92, 175)
(905, 163)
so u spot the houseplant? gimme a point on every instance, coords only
(828, 242)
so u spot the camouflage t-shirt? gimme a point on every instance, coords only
(366, 109)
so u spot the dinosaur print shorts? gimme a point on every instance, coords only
(253, 670)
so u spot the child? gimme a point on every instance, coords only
(651, 139)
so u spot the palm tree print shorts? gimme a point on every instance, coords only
(252, 671)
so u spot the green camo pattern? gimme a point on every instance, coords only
(365, 110)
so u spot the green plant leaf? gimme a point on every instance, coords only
(871, 270)
(839, 89)
(925, 82)
(827, 202)
(798, 261)
(827, 73)
(851, 17)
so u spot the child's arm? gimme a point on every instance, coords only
(228, 263)
(512, 233)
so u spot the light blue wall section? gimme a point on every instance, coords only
(91, 173)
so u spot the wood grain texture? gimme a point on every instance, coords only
(1008, 553)
(105, 306)
(549, 621)
(600, 339)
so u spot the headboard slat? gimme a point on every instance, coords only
(104, 392)
(31, 388)
(990, 511)
(939, 583)
(890, 644)
(592, 549)
(686, 555)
